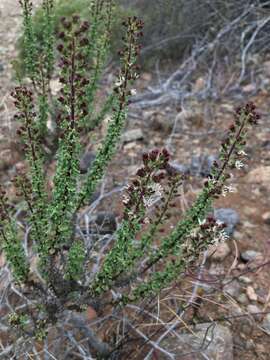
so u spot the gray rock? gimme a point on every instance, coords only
(179, 168)
(255, 311)
(86, 161)
(2, 68)
(242, 298)
(250, 255)
(266, 323)
(132, 135)
(245, 280)
(212, 341)
(228, 216)
(233, 289)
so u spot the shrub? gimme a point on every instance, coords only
(63, 279)
(66, 8)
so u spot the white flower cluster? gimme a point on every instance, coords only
(239, 164)
(120, 81)
(220, 237)
(228, 189)
(157, 193)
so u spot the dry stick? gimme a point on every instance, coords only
(166, 92)
(190, 302)
(260, 24)
(94, 342)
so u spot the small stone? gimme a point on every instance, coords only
(90, 313)
(199, 84)
(217, 269)
(266, 323)
(255, 311)
(132, 135)
(250, 255)
(244, 279)
(249, 88)
(217, 340)
(242, 298)
(233, 289)
(251, 294)
(2, 68)
(220, 252)
(266, 217)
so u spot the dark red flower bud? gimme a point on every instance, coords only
(84, 42)
(75, 19)
(154, 154)
(136, 182)
(60, 47)
(61, 35)
(141, 172)
(67, 24)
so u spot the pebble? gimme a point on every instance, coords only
(266, 323)
(233, 289)
(242, 298)
(251, 294)
(255, 311)
(132, 135)
(244, 279)
(220, 252)
(266, 217)
(250, 255)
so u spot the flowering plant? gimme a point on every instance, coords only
(61, 280)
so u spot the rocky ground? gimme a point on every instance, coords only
(235, 286)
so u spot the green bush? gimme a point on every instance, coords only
(67, 8)
(66, 277)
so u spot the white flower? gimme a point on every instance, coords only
(149, 202)
(223, 236)
(238, 164)
(220, 237)
(212, 181)
(120, 81)
(241, 152)
(201, 222)
(125, 200)
(157, 188)
(133, 92)
(228, 189)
